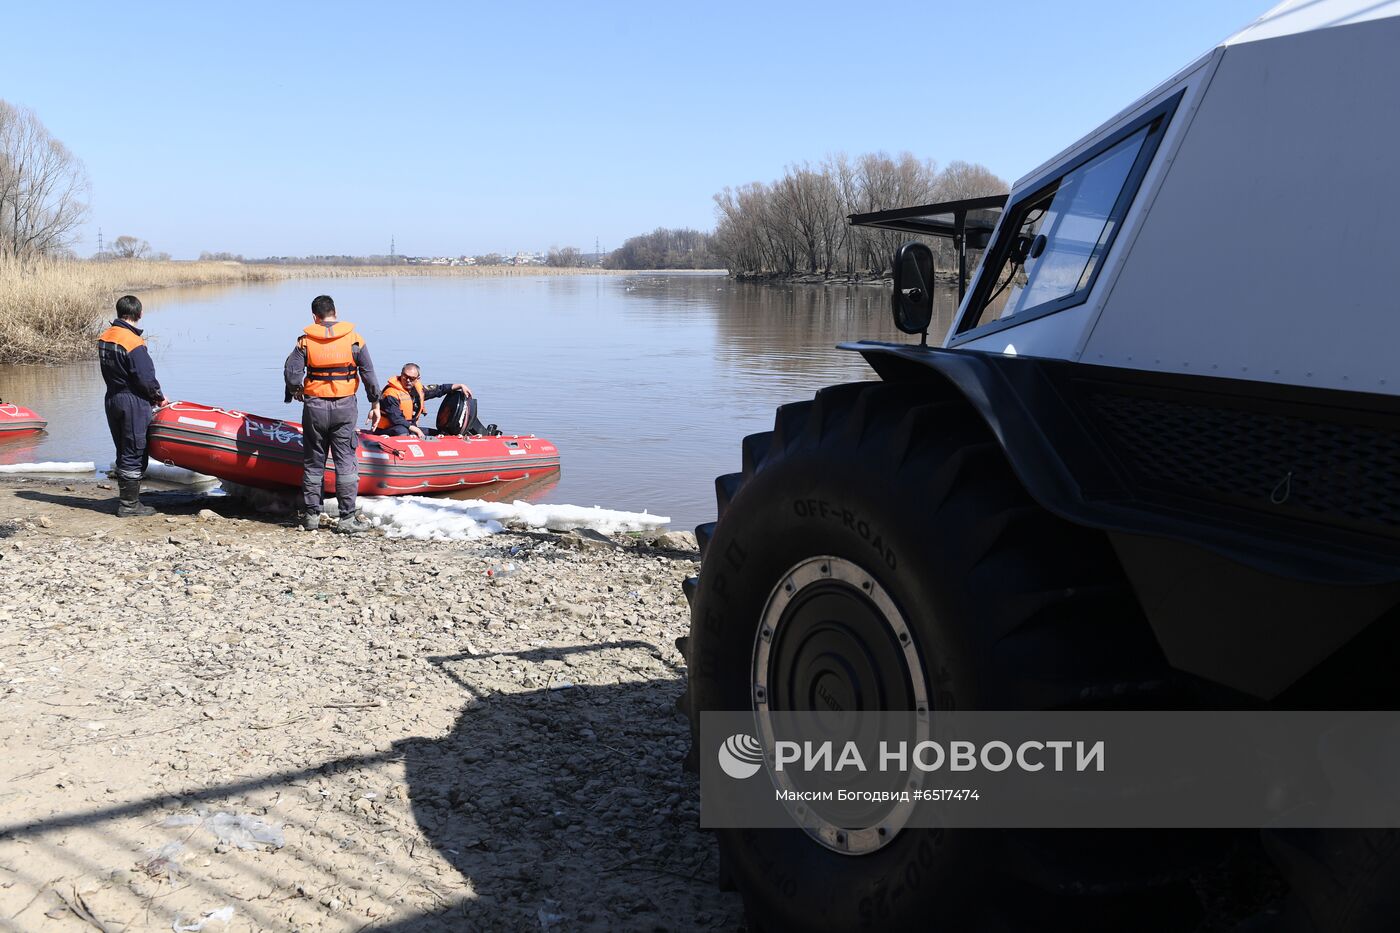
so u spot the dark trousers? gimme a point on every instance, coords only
(329, 425)
(128, 417)
(394, 430)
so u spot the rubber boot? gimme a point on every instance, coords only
(352, 524)
(310, 521)
(129, 500)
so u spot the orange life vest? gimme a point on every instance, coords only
(408, 394)
(330, 360)
(123, 337)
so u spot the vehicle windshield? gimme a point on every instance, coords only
(1062, 234)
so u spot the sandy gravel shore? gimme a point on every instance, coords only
(432, 748)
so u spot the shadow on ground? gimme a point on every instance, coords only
(570, 807)
(560, 808)
(167, 503)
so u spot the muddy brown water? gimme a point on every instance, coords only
(647, 383)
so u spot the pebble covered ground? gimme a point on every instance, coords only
(217, 721)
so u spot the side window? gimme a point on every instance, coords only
(1053, 241)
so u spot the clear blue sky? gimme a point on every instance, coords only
(295, 128)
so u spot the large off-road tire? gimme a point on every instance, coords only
(1008, 606)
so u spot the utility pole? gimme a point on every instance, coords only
(597, 251)
(99, 243)
(391, 249)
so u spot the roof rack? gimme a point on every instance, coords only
(968, 222)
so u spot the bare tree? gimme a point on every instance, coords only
(130, 247)
(847, 191)
(739, 239)
(43, 187)
(966, 180)
(802, 206)
(567, 258)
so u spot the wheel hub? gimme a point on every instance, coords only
(832, 640)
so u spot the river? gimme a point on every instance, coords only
(647, 382)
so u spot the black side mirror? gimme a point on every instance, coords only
(1019, 248)
(913, 288)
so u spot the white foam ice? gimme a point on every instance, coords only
(466, 519)
(159, 472)
(50, 466)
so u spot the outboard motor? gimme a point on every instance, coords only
(457, 416)
(455, 413)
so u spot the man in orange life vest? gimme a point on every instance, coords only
(402, 401)
(325, 368)
(131, 391)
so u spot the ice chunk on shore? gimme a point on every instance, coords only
(465, 519)
(164, 473)
(50, 466)
(458, 519)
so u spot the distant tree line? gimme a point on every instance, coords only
(307, 260)
(43, 187)
(567, 256)
(797, 224)
(665, 248)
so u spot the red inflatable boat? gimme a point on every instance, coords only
(15, 419)
(266, 452)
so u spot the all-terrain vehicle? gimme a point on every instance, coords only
(1155, 463)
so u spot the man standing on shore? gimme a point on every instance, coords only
(325, 368)
(131, 391)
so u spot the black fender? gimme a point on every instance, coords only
(1237, 535)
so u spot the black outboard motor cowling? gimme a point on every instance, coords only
(457, 415)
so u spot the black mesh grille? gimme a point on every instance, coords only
(1342, 474)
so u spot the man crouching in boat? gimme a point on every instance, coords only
(325, 368)
(131, 391)
(401, 402)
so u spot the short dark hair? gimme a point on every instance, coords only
(408, 366)
(322, 306)
(129, 308)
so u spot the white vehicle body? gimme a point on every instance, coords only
(1182, 333)
(1256, 245)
